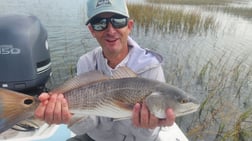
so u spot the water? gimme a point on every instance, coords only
(184, 56)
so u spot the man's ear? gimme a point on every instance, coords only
(91, 30)
(130, 25)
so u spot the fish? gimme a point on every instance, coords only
(95, 94)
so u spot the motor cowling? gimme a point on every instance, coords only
(24, 55)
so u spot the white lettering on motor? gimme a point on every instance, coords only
(9, 50)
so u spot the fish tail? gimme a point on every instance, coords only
(14, 107)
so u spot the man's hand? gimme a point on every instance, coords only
(53, 109)
(144, 119)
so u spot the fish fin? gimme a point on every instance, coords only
(92, 77)
(123, 72)
(119, 119)
(124, 107)
(76, 118)
(113, 109)
(156, 104)
(80, 80)
(14, 107)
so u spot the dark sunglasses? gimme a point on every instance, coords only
(100, 24)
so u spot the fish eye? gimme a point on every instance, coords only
(28, 101)
(184, 101)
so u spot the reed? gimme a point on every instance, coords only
(167, 20)
(245, 12)
(222, 114)
(213, 5)
(223, 80)
(192, 2)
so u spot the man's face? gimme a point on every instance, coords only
(113, 40)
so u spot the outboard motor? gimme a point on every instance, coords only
(24, 55)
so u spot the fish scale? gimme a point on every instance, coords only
(107, 91)
(124, 92)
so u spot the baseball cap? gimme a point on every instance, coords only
(95, 7)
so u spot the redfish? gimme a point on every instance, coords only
(94, 93)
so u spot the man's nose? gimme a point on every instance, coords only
(110, 28)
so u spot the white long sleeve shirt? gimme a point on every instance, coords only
(142, 61)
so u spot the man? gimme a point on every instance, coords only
(108, 22)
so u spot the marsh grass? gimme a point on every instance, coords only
(222, 114)
(193, 2)
(165, 20)
(244, 12)
(238, 11)
(213, 5)
(224, 82)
